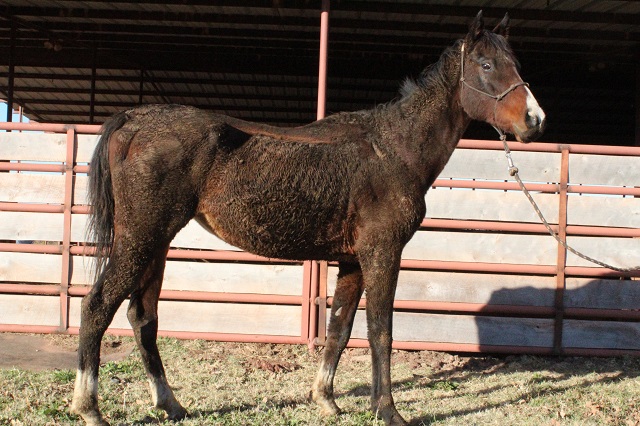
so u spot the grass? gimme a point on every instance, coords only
(253, 384)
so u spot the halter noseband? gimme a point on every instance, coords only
(498, 97)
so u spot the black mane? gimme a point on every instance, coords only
(436, 74)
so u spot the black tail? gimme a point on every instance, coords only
(100, 192)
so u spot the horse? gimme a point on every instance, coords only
(349, 188)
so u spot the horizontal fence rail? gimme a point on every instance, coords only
(481, 274)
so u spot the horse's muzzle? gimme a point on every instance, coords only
(535, 126)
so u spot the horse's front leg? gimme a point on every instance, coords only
(380, 270)
(345, 303)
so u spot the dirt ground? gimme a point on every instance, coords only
(36, 352)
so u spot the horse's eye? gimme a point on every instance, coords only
(486, 66)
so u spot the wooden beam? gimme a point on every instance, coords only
(375, 10)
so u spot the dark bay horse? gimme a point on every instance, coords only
(350, 188)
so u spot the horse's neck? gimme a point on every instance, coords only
(430, 123)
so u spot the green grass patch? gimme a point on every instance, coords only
(247, 384)
(63, 376)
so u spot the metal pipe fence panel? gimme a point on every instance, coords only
(480, 275)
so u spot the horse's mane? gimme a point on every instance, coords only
(434, 74)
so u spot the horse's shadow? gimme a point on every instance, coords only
(596, 294)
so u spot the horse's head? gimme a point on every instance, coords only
(491, 89)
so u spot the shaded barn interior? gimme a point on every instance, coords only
(82, 61)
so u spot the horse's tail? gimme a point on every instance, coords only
(100, 228)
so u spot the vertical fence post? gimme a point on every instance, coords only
(321, 111)
(322, 304)
(11, 77)
(562, 253)
(306, 301)
(322, 69)
(66, 233)
(313, 305)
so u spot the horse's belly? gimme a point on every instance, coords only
(281, 200)
(274, 233)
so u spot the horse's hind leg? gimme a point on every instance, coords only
(117, 281)
(136, 263)
(143, 316)
(345, 303)
(97, 312)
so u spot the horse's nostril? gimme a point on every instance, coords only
(533, 120)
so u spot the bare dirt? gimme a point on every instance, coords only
(37, 352)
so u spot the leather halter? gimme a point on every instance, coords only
(497, 97)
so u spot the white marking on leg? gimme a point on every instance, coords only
(161, 393)
(533, 109)
(86, 386)
(338, 311)
(323, 378)
(85, 397)
(163, 397)
(322, 390)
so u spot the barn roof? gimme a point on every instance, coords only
(258, 59)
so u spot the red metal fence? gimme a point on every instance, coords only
(511, 259)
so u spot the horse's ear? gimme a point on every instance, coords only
(476, 28)
(503, 27)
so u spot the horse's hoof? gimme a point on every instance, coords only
(178, 413)
(91, 420)
(174, 410)
(327, 405)
(90, 417)
(390, 416)
(397, 421)
(329, 408)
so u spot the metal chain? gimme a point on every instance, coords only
(513, 171)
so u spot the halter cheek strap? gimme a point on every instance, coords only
(497, 97)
